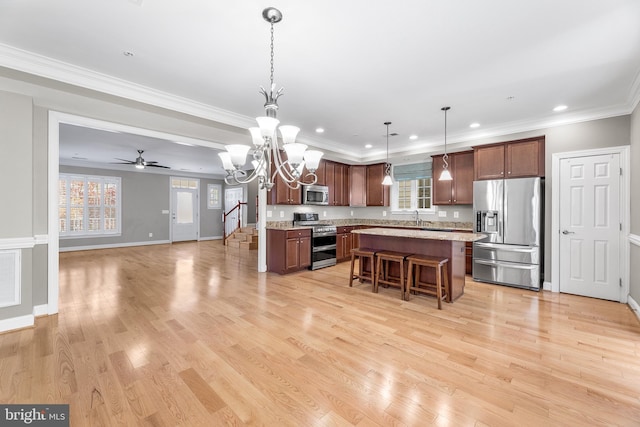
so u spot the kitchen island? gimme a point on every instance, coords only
(442, 244)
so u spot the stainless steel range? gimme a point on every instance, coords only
(323, 239)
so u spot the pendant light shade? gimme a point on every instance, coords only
(387, 172)
(445, 175)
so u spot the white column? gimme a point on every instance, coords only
(262, 230)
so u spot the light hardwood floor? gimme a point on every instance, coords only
(191, 334)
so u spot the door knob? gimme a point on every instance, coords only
(565, 232)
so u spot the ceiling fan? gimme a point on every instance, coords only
(140, 162)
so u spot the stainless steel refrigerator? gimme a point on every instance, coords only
(509, 212)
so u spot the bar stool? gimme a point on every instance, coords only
(413, 277)
(383, 259)
(363, 254)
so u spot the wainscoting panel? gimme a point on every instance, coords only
(10, 267)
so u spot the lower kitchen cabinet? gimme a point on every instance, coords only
(468, 258)
(288, 250)
(345, 241)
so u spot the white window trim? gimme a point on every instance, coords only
(86, 234)
(211, 187)
(395, 210)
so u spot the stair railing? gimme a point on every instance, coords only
(237, 207)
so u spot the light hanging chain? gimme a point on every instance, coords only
(272, 84)
(445, 157)
(272, 16)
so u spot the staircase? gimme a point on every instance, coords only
(244, 238)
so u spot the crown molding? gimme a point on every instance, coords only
(43, 66)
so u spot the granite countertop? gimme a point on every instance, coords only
(445, 226)
(422, 234)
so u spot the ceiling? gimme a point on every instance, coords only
(346, 66)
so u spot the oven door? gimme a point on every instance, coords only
(323, 250)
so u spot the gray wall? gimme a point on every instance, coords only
(634, 262)
(144, 196)
(16, 175)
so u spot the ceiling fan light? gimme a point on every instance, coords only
(139, 166)
(238, 154)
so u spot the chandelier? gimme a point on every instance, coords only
(266, 149)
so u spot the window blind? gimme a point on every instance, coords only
(412, 171)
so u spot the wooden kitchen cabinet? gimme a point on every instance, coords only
(458, 191)
(377, 194)
(358, 186)
(512, 159)
(345, 241)
(281, 194)
(288, 250)
(337, 179)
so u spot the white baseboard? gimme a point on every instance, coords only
(546, 286)
(112, 246)
(16, 323)
(634, 306)
(210, 238)
(40, 310)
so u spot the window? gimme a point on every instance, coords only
(88, 206)
(412, 187)
(214, 200)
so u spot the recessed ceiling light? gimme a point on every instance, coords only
(368, 146)
(413, 137)
(474, 125)
(128, 53)
(560, 108)
(319, 130)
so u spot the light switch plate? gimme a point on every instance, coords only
(442, 214)
(269, 214)
(456, 214)
(165, 211)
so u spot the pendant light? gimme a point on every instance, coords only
(387, 167)
(445, 175)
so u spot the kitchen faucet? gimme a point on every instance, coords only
(417, 218)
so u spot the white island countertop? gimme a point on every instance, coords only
(422, 234)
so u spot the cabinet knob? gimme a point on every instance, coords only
(501, 173)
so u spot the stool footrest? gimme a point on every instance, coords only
(438, 289)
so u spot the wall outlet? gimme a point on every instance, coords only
(281, 214)
(456, 214)
(384, 213)
(269, 214)
(324, 213)
(165, 211)
(442, 214)
(351, 213)
(150, 234)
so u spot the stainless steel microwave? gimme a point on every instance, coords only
(315, 195)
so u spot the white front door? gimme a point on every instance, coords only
(590, 226)
(232, 196)
(184, 210)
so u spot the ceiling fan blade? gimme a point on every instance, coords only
(148, 163)
(125, 161)
(158, 166)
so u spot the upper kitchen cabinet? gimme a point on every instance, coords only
(358, 193)
(512, 159)
(281, 194)
(337, 179)
(377, 194)
(458, 191)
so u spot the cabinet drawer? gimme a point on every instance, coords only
(298, 233)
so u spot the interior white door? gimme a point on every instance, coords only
(184, 214)
(232, 196)
(590, 226)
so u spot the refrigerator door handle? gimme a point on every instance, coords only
(510, 265)
(510, 248)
